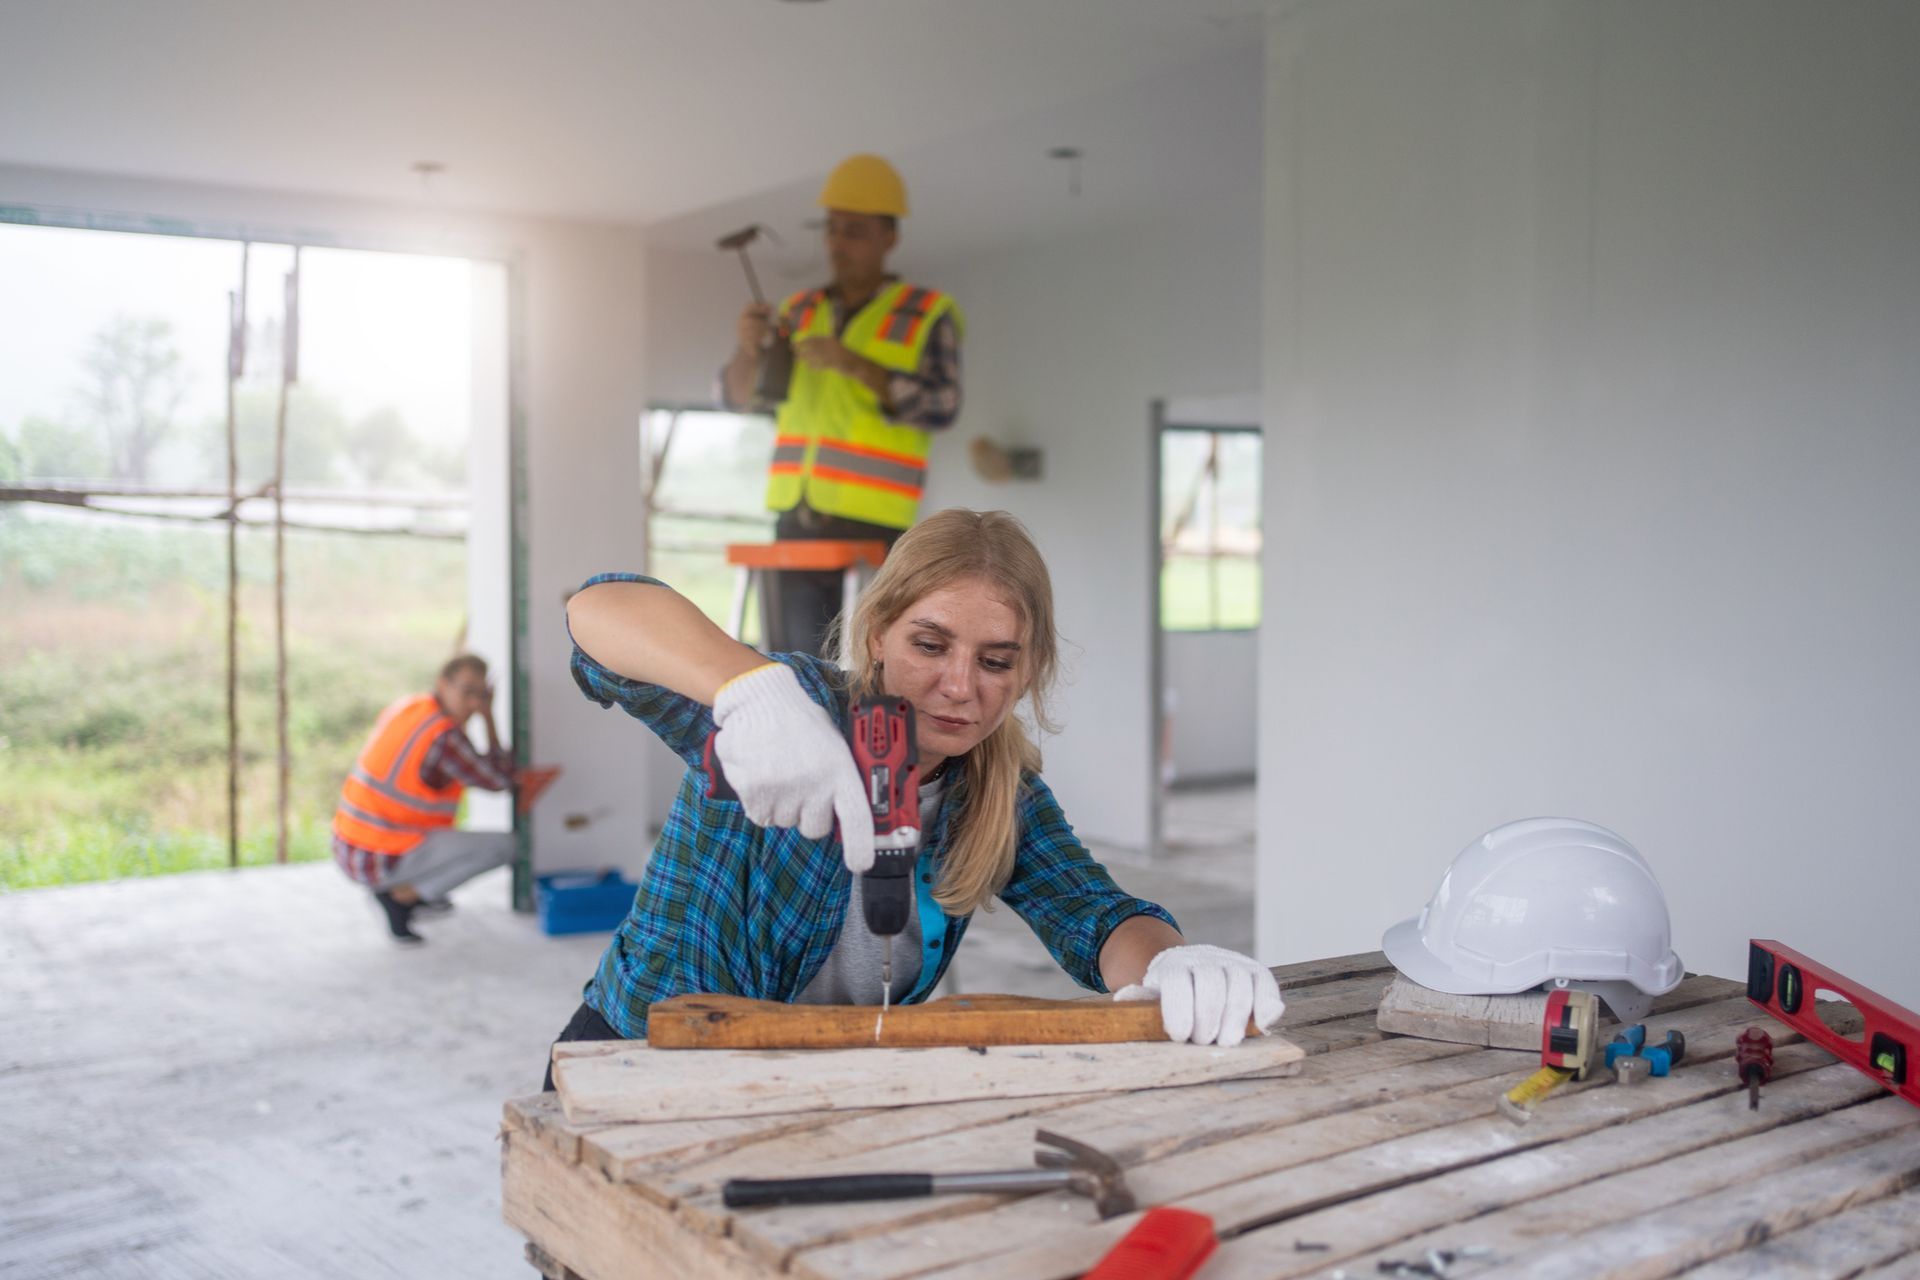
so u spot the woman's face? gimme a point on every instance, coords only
(955, 654)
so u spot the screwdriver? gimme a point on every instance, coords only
(1753, 1059)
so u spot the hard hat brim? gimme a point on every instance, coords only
(1408, 953)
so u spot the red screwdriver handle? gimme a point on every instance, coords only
(1753, 1051)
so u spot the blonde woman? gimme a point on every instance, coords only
(754, 897)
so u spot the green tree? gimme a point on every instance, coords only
(316, 438)
(134, 386)
(379, 449)
(50, 450)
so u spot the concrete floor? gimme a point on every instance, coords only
(235, 1075)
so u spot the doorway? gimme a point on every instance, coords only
(1206, 607)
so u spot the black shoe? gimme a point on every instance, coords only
(399, 918)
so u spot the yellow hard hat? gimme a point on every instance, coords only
(865, 184)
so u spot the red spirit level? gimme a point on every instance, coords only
(1783, 982)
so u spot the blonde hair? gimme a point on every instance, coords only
(948, 547)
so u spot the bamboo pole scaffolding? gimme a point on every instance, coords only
(289, 374)
(236, 369)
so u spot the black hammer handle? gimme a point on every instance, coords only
(745, 1193)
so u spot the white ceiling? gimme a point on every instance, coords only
(691, 115)
(1185, 139)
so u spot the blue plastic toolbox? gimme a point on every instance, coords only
(582, 901)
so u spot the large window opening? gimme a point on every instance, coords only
(115, 355)
(704, 483)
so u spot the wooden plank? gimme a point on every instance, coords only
(539, 1116)
(580, 1220)
(1907, 1268)
(656, 1156)
(1669, 1241)
(623, 1152)
(1330, 1034)
(1846, 1244)
(1336, 1034)
(1335, 998)
(643, 1083)
(1307, 973)
(1302, 1168)
(732, 1022)
(1133, 1129)
(1243, 1102)
(1496, 1022)
(1451, 1209)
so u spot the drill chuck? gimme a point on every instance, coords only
(886, 893)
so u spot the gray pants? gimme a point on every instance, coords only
(447, 859)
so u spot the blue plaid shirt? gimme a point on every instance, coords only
(727, 907)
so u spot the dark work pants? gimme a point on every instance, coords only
(586, 1024)
(797, 607)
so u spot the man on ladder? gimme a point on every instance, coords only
(875, 368)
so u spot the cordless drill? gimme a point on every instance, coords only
(880, 732)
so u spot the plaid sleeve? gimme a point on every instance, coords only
(1066, 898)
(453, 757)
(929, 397)
(683, 723)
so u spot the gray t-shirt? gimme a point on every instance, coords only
(851, 974)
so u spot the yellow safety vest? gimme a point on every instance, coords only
(833, 446)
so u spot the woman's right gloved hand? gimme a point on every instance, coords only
(789, 763)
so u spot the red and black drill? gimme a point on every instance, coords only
(880, 732)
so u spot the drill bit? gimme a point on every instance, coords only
(886, 983)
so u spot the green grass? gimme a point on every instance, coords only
(113, 723)
(1193, 598)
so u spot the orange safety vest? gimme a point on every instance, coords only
(833, 447)
(385, 806)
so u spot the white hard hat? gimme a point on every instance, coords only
(1544, 900)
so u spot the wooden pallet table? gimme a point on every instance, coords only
(1378, 1149)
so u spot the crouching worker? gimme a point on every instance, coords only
(754, 897)
(393, 831)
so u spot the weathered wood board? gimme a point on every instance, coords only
(1375, 1148)
(730, 1022)
(640, 1082)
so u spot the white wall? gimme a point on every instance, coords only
(1592, 396)
(1068, 343)
(581, 390)
(1211, 677)
(693, 300)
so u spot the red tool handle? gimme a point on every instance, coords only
(1753, 1052)
(880, 731)
(1166, 1244)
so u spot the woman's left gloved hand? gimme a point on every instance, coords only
(1209, 994)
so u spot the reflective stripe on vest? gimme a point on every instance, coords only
(834, 448)
(385, 804)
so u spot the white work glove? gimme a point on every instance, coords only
(1208, 994)
(789, 762)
